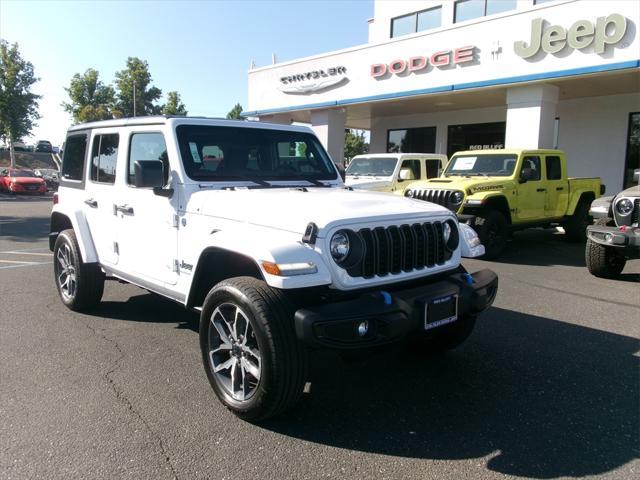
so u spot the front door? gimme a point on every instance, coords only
(414, 169)
(532, 193)
(148, 233)
(100, 191)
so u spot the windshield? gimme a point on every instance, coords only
(372, 166)
(489, 165)
(21, 173)
(213, 153)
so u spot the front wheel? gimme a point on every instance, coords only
(252, 357)
(493, 231)
(603, 262)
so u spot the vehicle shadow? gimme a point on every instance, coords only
(148, 308)
(24, 229)
(540, 247)
(541, 398)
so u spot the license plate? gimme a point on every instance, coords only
(32, 187)
(440, 311)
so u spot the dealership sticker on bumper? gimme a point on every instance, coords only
(440, 311)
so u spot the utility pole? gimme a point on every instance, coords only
(134, 97)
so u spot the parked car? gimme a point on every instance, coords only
(21, 181)
(44, 146)
(499, 191)
(267, 244)
(20, 147)
(388, 172)
(615, 236)
(51, 177)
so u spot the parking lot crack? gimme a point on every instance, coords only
(122, 397)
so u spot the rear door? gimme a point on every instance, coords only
(557, 195)
(532, 193)
(100, 192)
(433, 167)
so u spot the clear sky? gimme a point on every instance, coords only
(202, 49)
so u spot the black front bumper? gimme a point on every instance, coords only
(390, 316)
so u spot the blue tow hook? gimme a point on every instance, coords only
(467, 276)
(387, 297)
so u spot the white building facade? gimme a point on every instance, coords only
(440, 76)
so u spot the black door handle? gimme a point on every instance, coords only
(541, 190)
(559, 188)
(91, 202)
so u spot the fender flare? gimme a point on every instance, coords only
(83, 233)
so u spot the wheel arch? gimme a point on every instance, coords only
(495, 202)
(214, 265)
(578, 198)
(63, 220)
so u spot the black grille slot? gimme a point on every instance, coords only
(635, 215)
(405, 248)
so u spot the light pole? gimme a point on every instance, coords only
(134, 98)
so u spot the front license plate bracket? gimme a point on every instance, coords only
(440, 311)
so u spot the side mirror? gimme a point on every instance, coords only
(636, 175)
(527, 174)
(405, 174)
(149, 173)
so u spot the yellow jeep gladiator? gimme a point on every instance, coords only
(498, 191)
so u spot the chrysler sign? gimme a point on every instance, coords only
(314, 80)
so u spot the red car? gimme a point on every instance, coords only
(21, 181)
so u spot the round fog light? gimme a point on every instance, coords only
(363, 328)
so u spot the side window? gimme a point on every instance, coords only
(104, 156)
(532, 163)
(554, 168)
(433, 165)
(414, 166)
(74, 157)
(147, 146)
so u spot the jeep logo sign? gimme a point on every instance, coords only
(606, 31)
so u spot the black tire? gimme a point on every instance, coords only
(89, 278)
(575, 227)
(446, 338)
(603, 262)
(493, 230)
(283, 360)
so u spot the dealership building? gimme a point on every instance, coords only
(439, 76)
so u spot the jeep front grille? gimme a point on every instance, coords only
(439, 196)
(635, 215)
(396, 249)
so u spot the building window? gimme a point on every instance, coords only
(470, 9)
(412, 140)
(416, 22)
(633, 149)
(475, 136)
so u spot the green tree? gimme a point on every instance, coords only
(174, 105)
(354, 143)
(135, 95)
(235, 113)
(90, 99)
(18, 105)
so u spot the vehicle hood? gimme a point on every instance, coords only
(27, 180)
(293, 209)
(472, 184)
(369, 183)
(630, 192)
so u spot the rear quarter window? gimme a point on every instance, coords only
(73, 161)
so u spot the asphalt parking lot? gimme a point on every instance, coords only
(548, 385)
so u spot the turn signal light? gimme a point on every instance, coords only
(55, 198)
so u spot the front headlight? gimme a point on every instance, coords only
(624, 206)
(456, 198)
(408, 193)
(339, 246)
(450, 235)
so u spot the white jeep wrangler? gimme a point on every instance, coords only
(250, 224)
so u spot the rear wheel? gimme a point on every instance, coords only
(250, 351)
(493, 230)
(80, 285)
